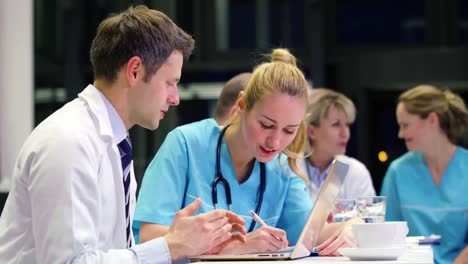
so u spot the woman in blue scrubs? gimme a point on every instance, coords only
(427, 186)
(252, 159)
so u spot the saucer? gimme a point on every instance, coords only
(390, 253)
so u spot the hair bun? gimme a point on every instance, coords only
(449, 95)
(283, 55)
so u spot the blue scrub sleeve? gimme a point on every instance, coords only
(296, 209)
(163, 188)
(389, 189)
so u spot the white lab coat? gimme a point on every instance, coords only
(358, 181)
(66, 203)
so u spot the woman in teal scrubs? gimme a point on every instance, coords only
(255, 155)
(427, 186)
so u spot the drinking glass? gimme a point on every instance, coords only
(372, 208)
(344, 210)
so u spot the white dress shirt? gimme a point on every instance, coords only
(357, 183)
(66, 204)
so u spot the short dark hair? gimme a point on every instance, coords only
(137, 31)
(230, 92)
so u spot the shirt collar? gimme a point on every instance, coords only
(314, 173)
(119, 131)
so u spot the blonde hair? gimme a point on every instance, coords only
(322, 99)
(449, 107)
(281, 75)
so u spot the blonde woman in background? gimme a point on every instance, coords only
(331, 114)
(427, 186)
(256, 139)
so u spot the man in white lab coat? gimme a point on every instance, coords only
(68, 203)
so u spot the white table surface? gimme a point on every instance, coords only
(414, 254)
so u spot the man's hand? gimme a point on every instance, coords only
(194, 235)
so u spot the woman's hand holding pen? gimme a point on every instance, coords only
(264, 239)
(268, 238)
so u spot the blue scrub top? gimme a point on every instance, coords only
(184, 168)
(412, 196)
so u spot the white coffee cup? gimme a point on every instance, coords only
(380, 235)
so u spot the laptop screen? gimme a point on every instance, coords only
(322, 207)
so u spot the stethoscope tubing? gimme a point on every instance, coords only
(220, 179)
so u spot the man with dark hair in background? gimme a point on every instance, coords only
(226, 104)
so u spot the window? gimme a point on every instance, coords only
(368, 22)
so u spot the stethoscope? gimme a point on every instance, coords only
(220, 179)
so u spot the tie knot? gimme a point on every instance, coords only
(125, 147)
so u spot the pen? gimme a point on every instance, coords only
(259, 220)
(422, 240)
(430, 240)
(314, 253)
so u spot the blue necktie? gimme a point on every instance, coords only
(125, 149)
